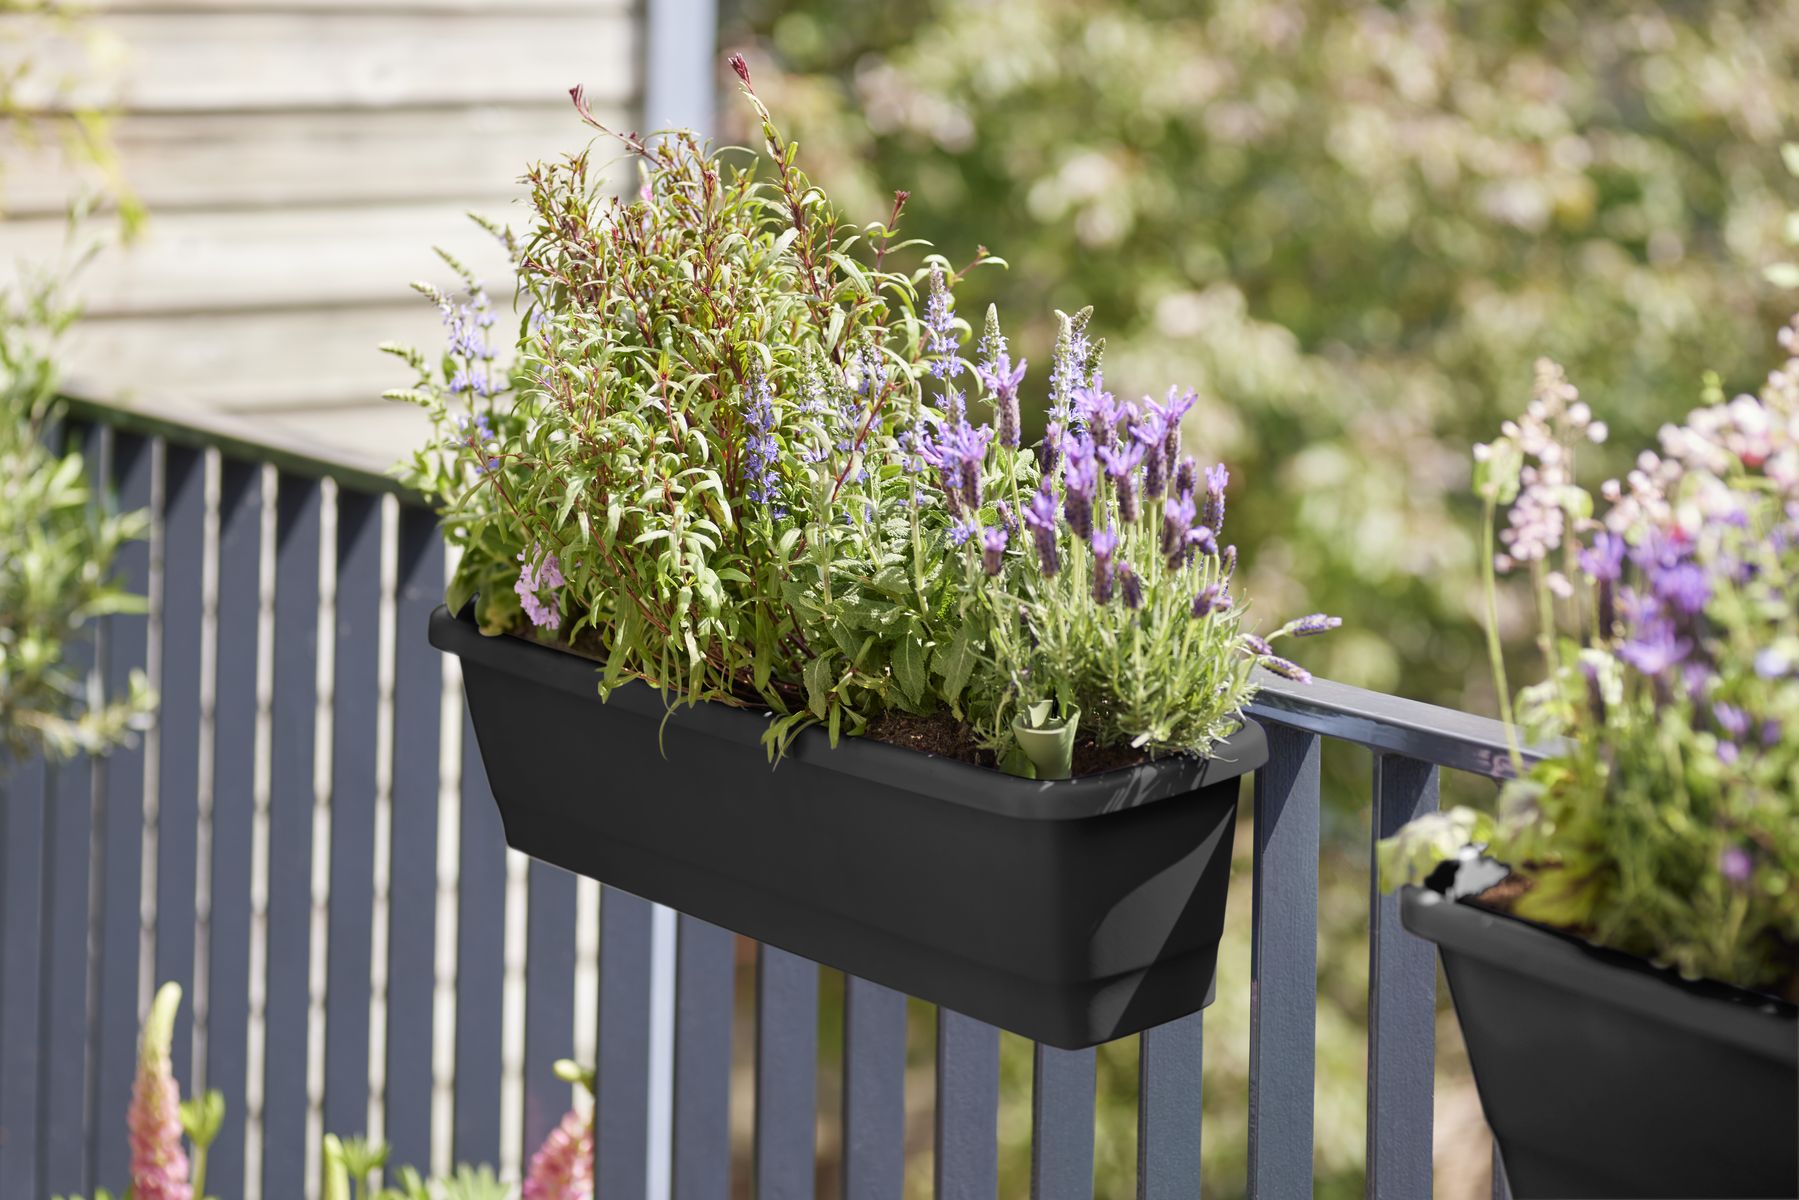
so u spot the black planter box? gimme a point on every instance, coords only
(1604, 1076)
(1071, 912)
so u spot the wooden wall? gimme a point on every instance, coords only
(298, 159)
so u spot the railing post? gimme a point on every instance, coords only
(1284, 967)
(1402, 1002)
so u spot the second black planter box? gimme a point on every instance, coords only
(1071, 912)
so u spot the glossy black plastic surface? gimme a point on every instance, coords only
(1072, 912)
(1604, 1076)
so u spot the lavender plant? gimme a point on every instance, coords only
(734, 458)
(1668, 825)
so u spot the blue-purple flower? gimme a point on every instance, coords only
(1736, 865)
(1105, 570)
(761, 451)
(1002, 379)
(1040, 519)
(1217, 479)
(1210, 599)
(940, 327)
(1080, 478)
(993, 549)
(1311, 626)
(1130, 586)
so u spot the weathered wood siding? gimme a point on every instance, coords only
(299, 160)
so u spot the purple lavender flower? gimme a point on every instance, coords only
(1683, 587)
(1770, 732)
(1171, 414)
(1049, 450)
(1311, 626)
(1229, 561)
(533, 581)
(1603, 561)
(1105, 570)
(960, 531)
(1217, 479)
(1258, 645)
(1121, 465)
(1099, 412)
(1186, 476)
(1210, 599)
(1148, 431)
(760, 449)
(1001, 379)
(1080, 478)
(1731, 719)
(993, 549)
(1735, 865)
(1006, 518)
(1068, 370)
(1771, 663)
(1130, 586)
(1040, 518)
(940, 324)
(1199, 538)
(958, 454)
(1286, 668)
(1655, 648)
(1177, 519)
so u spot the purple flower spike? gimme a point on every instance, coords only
(1148, 431)
(1211, 598)
(962, 530)
(1200, 538)
(1603, 561)
(1081, 483)
(1171, 414)
(1001, 379)
(1177, 519)
(1286, 668)
(761, 450)
(1683, 587)
(1258, 645)
(1040, 519)
(1105, 571)
(1049, 451)
(1186, 476)
(1311, 626)
(1121, 465)
(1229, 561)
(993, 549)
(1731, 719)
(1130, 585)
(1217, 479)
(1655, 648)
(940, 324)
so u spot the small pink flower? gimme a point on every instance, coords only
(158, 1161)
(562, 1168)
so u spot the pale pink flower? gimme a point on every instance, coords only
(562, 1168)
(158, 1161)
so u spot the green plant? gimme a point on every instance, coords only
(718, 458)
(1668, 824)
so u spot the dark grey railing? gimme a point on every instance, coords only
(305, 841)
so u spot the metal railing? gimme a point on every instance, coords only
(305, 841)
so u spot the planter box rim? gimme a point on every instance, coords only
(972, 786)
(1762, 1024)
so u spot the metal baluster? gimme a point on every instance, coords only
(1062, 1124)
(874, 1091)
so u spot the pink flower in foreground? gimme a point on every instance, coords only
(158, 1162)
(562, 1168)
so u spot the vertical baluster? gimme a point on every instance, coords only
(705, 972)
(128, 462)
(23, 886)
(1402, 1002)
(1283, 967)
(65, 1037)
(181, 614)
(480, 953)
(412, 875)
(621, 1111)
(1062, 1124)
(355, 698)
(1171, 1063)
(874, 1091)
(233, 813)
(549, 999)
(967, 1108)
(285, 1154)
(786, 1075)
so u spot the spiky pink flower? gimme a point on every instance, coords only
(562, 1168)
(158, 1161)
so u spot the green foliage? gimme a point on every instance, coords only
(57, 550)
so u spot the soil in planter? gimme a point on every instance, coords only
(948, 738)
(1503, 896)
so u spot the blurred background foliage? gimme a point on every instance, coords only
(1352, 225)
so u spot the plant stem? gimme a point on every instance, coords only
(1495, 651)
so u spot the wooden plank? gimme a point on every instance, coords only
(1171, 1061)
(298, 534)
(1284, 967)
(874, 1091)
(228, 160)
(1062, 1124)
(202, 262)
(23, 887)
(1402, 1002)
(621, 1119)
(233, 813)
(705, 975)
(355, 703)
(549, 999)
(178, 736)
(412, 920)
(480, 953)
(786, 1075)
(128, 461)
(967, 1108)
(273, 60)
